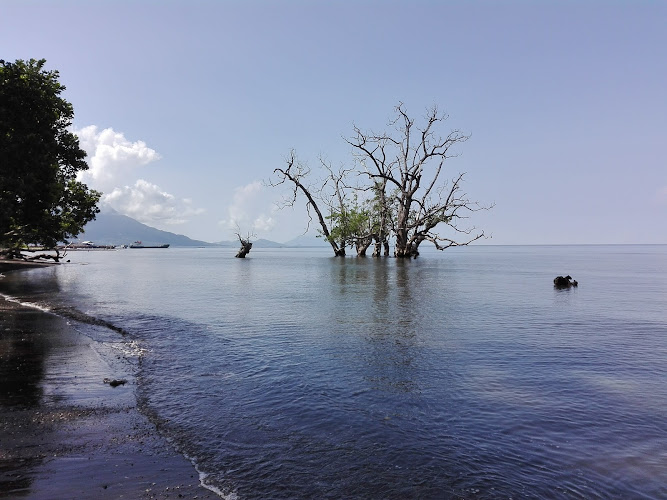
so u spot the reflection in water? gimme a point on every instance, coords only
(38, 285)
(407, 308)
(26, 343)
(23, 351)
(22, 355)
(382, 317)
(456, 375)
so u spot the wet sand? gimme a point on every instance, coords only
(13, 264)
(66, 434)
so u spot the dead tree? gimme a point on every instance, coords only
(412, 161)
(350, 223)
(381, 218)
(409, 197)
(296, 172)
(246, 245)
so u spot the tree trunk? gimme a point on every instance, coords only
(362, 246)
(244, 250)
(402, 243)
(377, 249)
(381, 247)
(338, 251)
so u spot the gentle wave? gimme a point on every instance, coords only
(462, 375)
(81, 317)
(68, 312)
(25, 303)
(203, 481)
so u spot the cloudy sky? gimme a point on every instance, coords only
(185, 107)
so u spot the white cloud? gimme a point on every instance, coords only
(111, 157)
(250, 209)
(112, 161)
(264, 223)
(146, 202)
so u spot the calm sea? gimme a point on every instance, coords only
(463, 374)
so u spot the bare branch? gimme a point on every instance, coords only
(295, 172)
(406, 197)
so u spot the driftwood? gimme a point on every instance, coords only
(55, 258)
(16, 253)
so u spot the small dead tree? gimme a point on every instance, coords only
(246, 244)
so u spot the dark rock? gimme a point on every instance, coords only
(564, 281)
(115, 382)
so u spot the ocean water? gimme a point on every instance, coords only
(461, 374)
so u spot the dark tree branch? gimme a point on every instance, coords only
(412, 160)
(296, 176)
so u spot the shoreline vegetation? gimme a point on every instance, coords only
(64, 432)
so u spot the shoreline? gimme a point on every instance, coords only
(16, 264)
(64, 432)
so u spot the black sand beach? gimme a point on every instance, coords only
(64, 433)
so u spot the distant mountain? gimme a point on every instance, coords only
(227, 244)
(307, 240)
(304, 241)
(112, 228)
(261, 243)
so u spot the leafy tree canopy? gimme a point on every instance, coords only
(41, 202)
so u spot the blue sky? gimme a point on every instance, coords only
(186, 107)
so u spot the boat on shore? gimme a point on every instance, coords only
(85, 245)
(139, 244)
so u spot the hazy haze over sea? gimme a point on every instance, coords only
(293, 374)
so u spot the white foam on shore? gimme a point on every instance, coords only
(202, 481)
(31, 305)
(131, 349)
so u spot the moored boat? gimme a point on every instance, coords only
(139, 244)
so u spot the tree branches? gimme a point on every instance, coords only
(296, 172)
(405, 196)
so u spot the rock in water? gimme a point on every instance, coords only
(564, 281)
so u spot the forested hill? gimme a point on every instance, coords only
(112, 228)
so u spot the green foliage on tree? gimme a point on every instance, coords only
(350, 223)
(41, 202)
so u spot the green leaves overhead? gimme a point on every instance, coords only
(41, 202)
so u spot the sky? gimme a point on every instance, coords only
(186, 107)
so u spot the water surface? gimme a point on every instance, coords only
(463, 374)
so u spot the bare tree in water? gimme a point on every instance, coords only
(246, 244)
(297, 173)
(409, 195)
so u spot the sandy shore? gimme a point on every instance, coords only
(66, 434)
